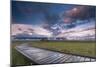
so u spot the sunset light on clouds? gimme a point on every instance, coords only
(53, 20)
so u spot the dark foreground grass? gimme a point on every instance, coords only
(85, 48)
(17, 59)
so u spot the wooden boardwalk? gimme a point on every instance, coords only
(42, 56)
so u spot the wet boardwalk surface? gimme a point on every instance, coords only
(42, 56)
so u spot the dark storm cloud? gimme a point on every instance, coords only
(49, 14)
(28, 12)
(80, 12)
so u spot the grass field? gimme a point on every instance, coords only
(85, 48)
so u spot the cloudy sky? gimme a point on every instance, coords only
(57, 19)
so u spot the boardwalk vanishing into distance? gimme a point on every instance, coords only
(42, 56)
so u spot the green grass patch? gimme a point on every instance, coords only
(75, 47)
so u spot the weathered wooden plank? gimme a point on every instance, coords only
(42, 56)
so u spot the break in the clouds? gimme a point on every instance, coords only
(54, 19)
